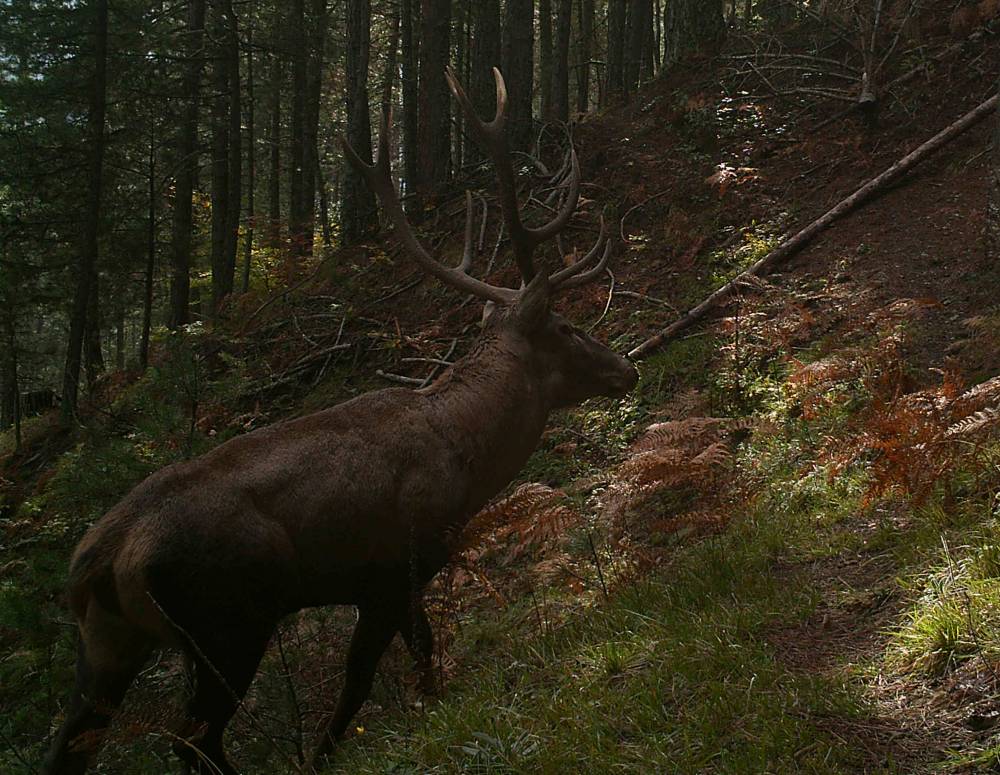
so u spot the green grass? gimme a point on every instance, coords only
(674, 673)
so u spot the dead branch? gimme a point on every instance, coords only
(795, 243)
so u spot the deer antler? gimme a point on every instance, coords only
(524, 239)
(493, 138)
(379, 178)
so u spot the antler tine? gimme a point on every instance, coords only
(582, 278)
(556, 279)
(469, 251)
(379, 178)
(492, 137)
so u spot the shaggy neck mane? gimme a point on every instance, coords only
(492, 408)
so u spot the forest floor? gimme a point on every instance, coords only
(797, 570)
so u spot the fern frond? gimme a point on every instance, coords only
(981, 394)
(977, 422)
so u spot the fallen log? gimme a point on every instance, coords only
(795, 243)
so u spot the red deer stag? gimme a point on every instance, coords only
(354, 505)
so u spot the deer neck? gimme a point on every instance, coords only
(492, 407)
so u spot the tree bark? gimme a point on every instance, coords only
(318, 24)
(433, 128)
(222, 282)
(639, 23)
(187, 168)
(560, 70)
(234, 156)
(300, 61)
(357, 208)
(148, 275)
(586, 15)
(616, 49)
(692, 24)
(795, 243)
(274, 158)
(485, 55)
(545, 57)
(411, 58)
(92, 216)
(251, 166)
(519, 71)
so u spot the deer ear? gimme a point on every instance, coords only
(532, 306)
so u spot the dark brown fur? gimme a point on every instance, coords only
(343, 506)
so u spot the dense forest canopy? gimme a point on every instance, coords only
(161, 160)
(767, 540)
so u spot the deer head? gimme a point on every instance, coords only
(570, 364)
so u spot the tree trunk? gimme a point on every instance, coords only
(251, 166)
(586, 15)
(433, 127)
(318, 24)
(221, 84)
(411, 58)
(187, 168)
(692, 24)
(545, 56)
(92, 217)
(560, 70)
(147, 295)
(519, 71)
(274, 158)
(300, 61)
(616, 49)
(485, 55)
(93, 355)
(357, 208)
(234, 155)
(638, 27)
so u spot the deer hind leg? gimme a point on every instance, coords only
(376, 627)
(109, 655)
(224, 664)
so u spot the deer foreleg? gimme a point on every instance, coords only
(377, 625)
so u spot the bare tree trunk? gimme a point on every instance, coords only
(300, 58)
(147, 295)
(519, 70)
(586, 14)
(357, 209)
(221, 84)
(560, 71)
(93, 355)
(411, 59)
(318, 24)
(187, 168)
(692, 24)
(545, 55)
(251, 166)
(634, 39)
(274, 140)
(86, 268)
(234, 156)
(433, 127)
(616, 49)
(485, 55)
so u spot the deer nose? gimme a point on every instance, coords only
(624, 380)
